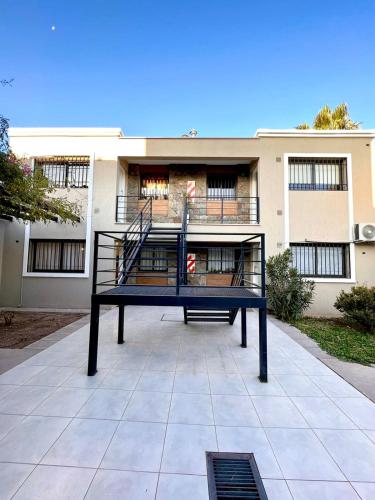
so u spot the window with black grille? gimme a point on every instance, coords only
(221, 260)
(153, 259)
(56, 256)
(65, 171)
(318, 174)
(221, 186)
(322, 260)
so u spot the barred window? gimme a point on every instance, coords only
(318, 174)
(65, 171)
(221, 186)
(153, 259)
(156, 188)
(326, 260)
(57, 256)
(221, 260)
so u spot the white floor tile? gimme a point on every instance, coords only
(366, 491)
(19, 374)
(322, 413)
(64, 402)
(185, 448)
(51, 376)
(59, 483)
(298, 385)
(227, 383)
(301, 455)
(277, 490)
(24, 399)
(122, 485)
(121, 379)
(136, 446)
(277, 411)
(156, 381)
(105, 403)
(352, 451)
(191, 409)
(148, 407)
(82, 444)
(192, 383)
(324, 490)
(173, 486)
(7, 422)
(234, 411)
(11, 478)
(334, 386)
(31, 439)
(360, 410)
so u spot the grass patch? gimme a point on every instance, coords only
(340, 338)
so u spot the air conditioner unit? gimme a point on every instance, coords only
(364, 232)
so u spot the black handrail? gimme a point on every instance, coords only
(183, 245)
(224, 209)
(133, 240)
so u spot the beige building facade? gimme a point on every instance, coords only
(307, 190)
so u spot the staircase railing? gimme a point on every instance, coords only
(183, 246)
(133, 240)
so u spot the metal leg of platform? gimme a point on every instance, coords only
(94, 334)
(263, 345)
(243, 327)
(120, 338)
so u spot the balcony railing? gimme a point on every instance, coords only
(224, 210)
(203, 210)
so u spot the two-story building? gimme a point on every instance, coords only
(310, 190)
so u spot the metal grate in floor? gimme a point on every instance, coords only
(233, 476)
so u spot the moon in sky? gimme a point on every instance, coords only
(53, 28)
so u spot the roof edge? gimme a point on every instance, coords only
(268, 132)
(65, 132)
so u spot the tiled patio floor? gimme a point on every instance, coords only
(140, 427)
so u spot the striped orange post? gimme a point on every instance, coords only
(191, 190)
(191, 263)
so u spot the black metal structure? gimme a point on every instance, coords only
(233, 476)
(224, 209)
(124, 274)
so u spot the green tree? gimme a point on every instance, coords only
(25, 195)
(332, 119)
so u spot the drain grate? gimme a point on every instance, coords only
(233, 476)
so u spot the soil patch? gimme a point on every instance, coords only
(28, 327)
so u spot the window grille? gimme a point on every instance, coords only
(221, 186)
(153, 259)
(318, 174)
(65, 171)
(57, 256)
(156, 188)
(325, 260)
(221, 260)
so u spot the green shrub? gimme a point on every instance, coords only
(358, 305)
(288, 293)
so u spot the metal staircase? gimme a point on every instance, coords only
(218, 315)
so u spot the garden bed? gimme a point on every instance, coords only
(28, 327)
(340, 338)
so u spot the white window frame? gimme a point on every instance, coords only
(349, 192)
(86, 273)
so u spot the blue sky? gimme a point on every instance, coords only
(159, 68)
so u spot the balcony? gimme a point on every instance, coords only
(201, 210)
(224, 210)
